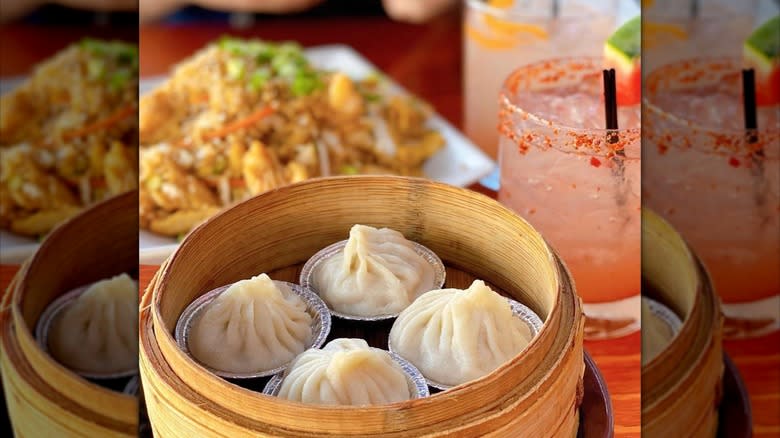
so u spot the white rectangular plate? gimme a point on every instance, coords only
(459, 163)
(14, 249)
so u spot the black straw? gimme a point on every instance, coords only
(610, 102)
(694, 9)
(751, 137)
(749, 104)
(611, 120)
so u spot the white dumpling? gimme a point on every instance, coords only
(453, 336)
(345, 372)
(656, 334)
(255, 325)
(98, 331)
(378, 273)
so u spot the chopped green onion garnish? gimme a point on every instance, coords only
(266, 54)
(372, 97)
(127, 55)
(259, 78)
(349, 170)
(94, 46)
(95, 68)
(260, 50)
(220, 164)
(252, 47)
(290, 47)
(119, 79)
(235, 68)
(304, 84)
(286, 70)
(375, 76)
(287, 65)
(233, 45)
(124, 52)
(154, 183)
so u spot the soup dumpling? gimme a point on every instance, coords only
(345, 372)
(378, 273)
(255, 325)
(454, 336)
(98, 331)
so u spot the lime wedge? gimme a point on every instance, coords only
(622, 50)
(761, 52)
(763, 46)
(627, 40)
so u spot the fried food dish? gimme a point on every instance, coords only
(69, 135)
(241, 117)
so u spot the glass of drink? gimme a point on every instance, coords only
(500, 35)
(577, 182)
(674, 30)
(717, 183)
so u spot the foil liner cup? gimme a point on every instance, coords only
(417, 384)
(44, 324)
(133, 385)
(311, 266)
(519, 310)
(665, 314)
(314, 306)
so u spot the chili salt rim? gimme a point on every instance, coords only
(315, 307)
(580, 141)
(725, 141)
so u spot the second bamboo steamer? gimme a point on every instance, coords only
(682, 385)
(44, 397)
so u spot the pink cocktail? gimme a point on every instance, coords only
(718, 184)
(499, 36)
(577, 182)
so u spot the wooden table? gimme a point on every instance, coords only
(426, 59)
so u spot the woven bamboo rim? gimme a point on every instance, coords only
(537, 392)
(681, 387)
(44, 397)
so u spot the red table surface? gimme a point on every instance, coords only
(22, 46)
(426, 59)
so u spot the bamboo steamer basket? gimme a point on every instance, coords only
(682, 386)
(44, 398)
(536, 394)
